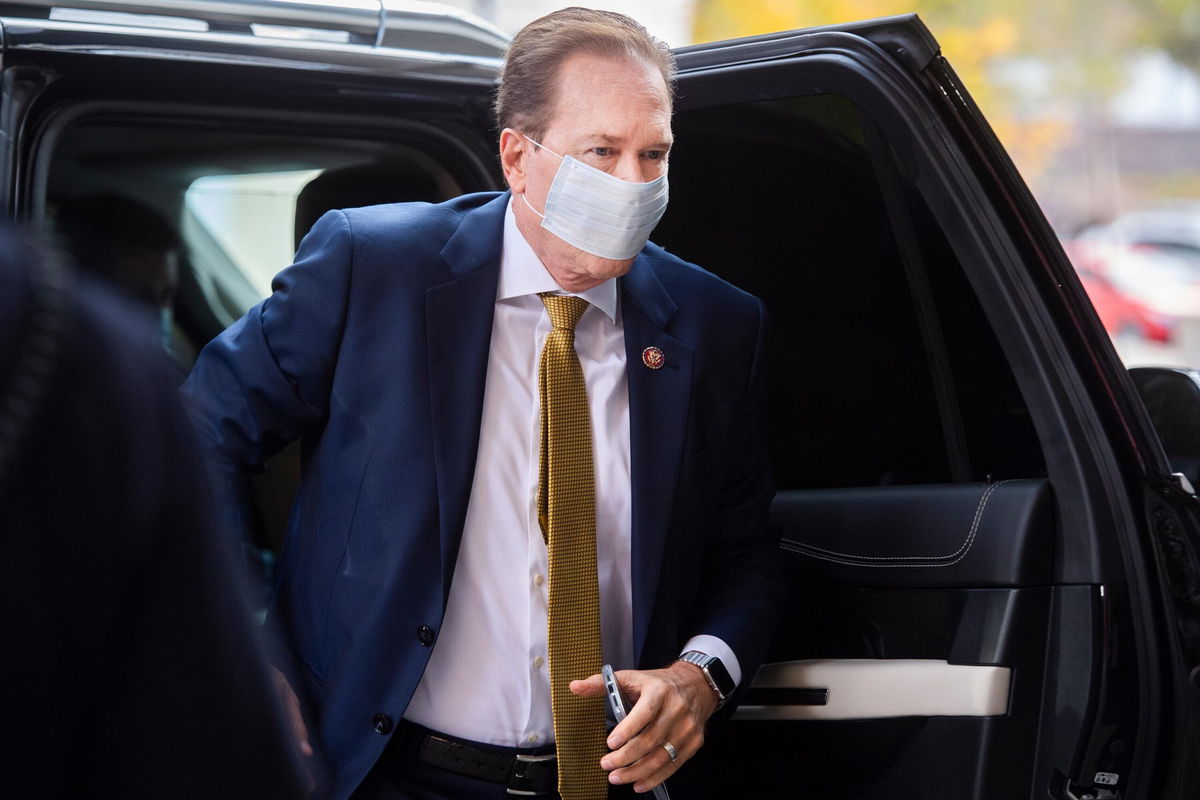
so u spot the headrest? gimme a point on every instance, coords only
(364, 185)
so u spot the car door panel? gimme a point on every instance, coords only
(998, 534)
(900, 666)
(943, 696)
(876, 688)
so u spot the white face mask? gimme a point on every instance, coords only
(600, 213)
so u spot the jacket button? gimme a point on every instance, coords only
(383, 724)
(425, 635)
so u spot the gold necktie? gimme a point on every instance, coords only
(567, 515)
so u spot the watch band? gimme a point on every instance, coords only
(714, 672)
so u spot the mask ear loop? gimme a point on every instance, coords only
(539, 146)
(531, 208)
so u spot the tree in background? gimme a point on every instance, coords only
(1174, 26)
(1034, 67)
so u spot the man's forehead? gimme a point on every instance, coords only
(588, 86)
(600, 123)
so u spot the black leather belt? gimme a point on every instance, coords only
(526, 773)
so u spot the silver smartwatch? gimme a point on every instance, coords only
(714, 672)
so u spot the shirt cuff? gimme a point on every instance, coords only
(714, 646)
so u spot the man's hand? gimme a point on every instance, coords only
(292, 704)
(670, 705)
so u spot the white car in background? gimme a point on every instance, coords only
(1153, 255)
(1158, 279)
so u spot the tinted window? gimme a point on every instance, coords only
(235, 201)
(884, 368)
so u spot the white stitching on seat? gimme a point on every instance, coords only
(852, 560)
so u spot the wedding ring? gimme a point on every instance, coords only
(671, 751)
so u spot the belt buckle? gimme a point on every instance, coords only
(530, 775)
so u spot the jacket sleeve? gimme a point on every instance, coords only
(744, 587)
(267, 378)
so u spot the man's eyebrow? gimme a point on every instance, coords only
(610, 140)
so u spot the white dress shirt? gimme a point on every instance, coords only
(488, 679)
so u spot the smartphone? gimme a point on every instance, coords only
(617, 706)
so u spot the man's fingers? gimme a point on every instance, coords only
(631, 682)
(296, 718)
(588, 687)
(298, 727)
(671, 726)
(653, 768)
(292, 705)
(673, 707)
(656, 765)
(646, 696)
(641, 746)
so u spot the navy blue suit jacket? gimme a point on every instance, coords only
(373, 350)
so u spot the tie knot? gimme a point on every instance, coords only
(564, 310)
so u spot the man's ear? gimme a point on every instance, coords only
(513, 149)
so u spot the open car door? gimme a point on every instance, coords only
(977, 520)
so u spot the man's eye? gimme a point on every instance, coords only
(656, 155)
(602, 151)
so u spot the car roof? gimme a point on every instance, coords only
(382, 36)
(903, 36)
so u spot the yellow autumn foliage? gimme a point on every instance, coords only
(972, 38)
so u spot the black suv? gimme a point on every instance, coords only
(993, 566)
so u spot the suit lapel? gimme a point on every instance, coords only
(458, 329)
(658, 410)
(458, 334)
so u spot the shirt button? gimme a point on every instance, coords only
(537, 662)
(533, 738)
(539, 579)
(425, 635)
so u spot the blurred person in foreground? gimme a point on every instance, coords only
(131, 668)
(533, 443)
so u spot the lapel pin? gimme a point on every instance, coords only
(653, 358)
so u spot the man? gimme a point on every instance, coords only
(492, 463)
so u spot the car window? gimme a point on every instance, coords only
(884, 369)
(223, 202)
(230, 202)
(250, 216)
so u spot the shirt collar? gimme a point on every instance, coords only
(522, 272)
